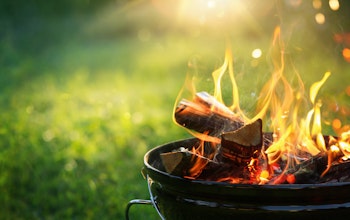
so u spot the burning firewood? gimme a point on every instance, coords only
(206, 115)
(308, 171)
(312, 170)
(239, 144)
(184, 162)
(339, 171)
(244, 143)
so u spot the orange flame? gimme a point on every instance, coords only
(295, 136)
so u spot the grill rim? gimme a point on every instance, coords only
(162, 149)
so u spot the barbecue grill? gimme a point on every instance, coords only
(175, 197)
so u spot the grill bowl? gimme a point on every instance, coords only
(180, 198)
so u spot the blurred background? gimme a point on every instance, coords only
(87, 87)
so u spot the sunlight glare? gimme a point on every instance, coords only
(208, 12)
(211, 4)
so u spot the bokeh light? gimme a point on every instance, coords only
(256, 53)
(320, 18)
(336, 124)
(317, 4)
(346, 54)
(334, 5)
(347, 90)
(294, 3)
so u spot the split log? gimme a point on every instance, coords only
(244, 143)
(183, 162)
(206, 115)
(174, 162)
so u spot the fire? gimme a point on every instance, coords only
(297, 132)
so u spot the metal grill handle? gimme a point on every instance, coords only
(138, 202)
(152, 201)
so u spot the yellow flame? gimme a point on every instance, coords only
(268, 93)
(293, 134)
(316, 131)
(217, 77)
(316, 87)
(344, 144)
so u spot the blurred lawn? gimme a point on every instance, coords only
(79, 109)
(83, 98)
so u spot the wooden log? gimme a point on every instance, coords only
(307, 172)
(183, 162)
(244, 143)
(206, 115)
(338, 172)
(311, 170)
(174, 162)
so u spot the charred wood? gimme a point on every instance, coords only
(179, 163)
(244, 143)
(310, 171)
(338, 172)
(206, 115)
(186, 162)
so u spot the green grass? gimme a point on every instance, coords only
(82, 99)
(76, 120)
(73, 138)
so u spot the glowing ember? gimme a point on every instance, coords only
(295, 152)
